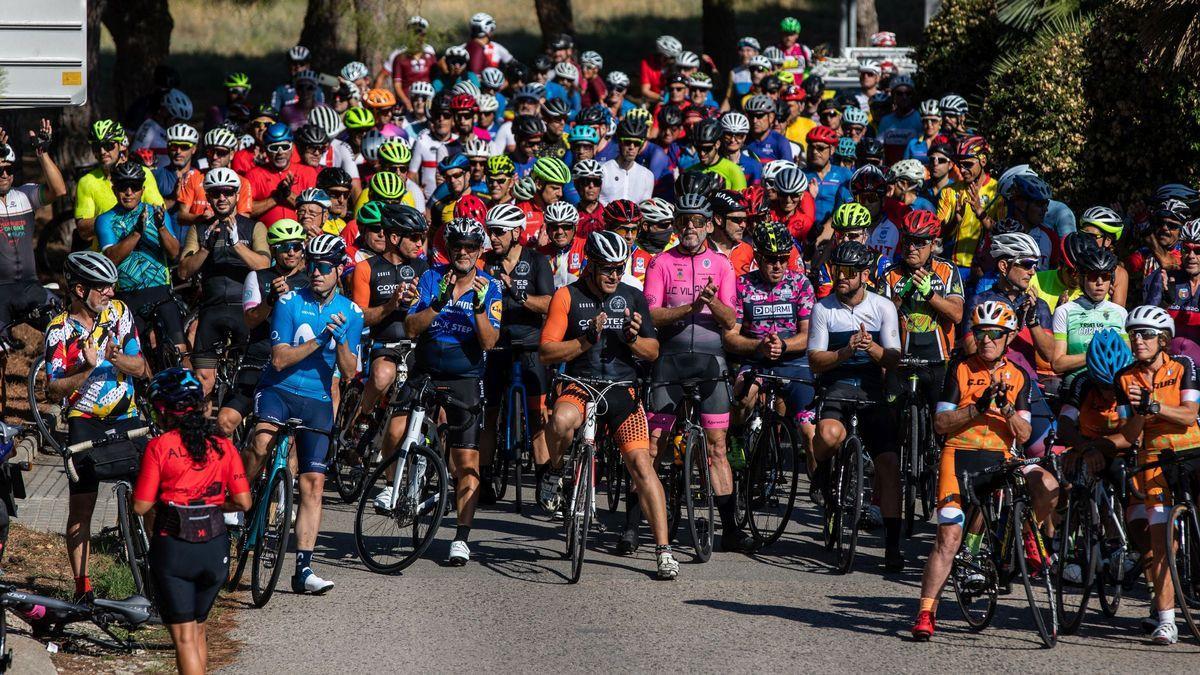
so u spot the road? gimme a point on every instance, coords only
(511, 609)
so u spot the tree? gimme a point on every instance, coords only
(1170, 30)
(555, 18)
(868, 22)
(379, 22)
(141, 31)
(320, 34)
(718, 21)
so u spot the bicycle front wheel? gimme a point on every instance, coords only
(974, 578)
(910, 465)
(392, 535)
(1037, 578)
(614, 475)
(698, 492)
(136, 549)
(275, 532)
(348, 465)
(771, 482)
(847, 503)
(1183, 557)
(1078, 556)
(579, 511)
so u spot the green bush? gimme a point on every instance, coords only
(958, 48)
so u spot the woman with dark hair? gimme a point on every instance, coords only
(190, 475)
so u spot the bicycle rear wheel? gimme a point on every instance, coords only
(846, 505)
(1038, 582)
(771, 481)
(389, 541)
(578, 515)
(698, 492)
(614, 474)
(1183, 557)
(348, 464)
(272, 543)
(1077, 547)
(239, 550)
(133, 540)
(974, 578)
(44, 413)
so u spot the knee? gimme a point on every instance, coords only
(382, 374)
(228, 421)
(564, 421)
(830, 433)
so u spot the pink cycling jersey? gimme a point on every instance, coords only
(674, 279)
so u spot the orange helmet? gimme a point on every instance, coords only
(993, 314)
(380, 98)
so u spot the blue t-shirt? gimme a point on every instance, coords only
(146, 264)
(917, 149)
(573, 99)
(827, 190)
(450, 346)
(770, 147)
(1059, 217)
(751, 167)
(167, 181)
(652, 157)
(299, 317)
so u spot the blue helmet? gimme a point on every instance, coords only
(1031, 188)
(277, 133)
(1107, 354)
(847, 147)
(458, 161)
(582, 133)
(175, 390)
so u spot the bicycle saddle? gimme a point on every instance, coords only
(134, 610)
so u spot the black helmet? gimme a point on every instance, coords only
(633, 127)
(870, 148)
(1096, 259)
(814, 87)
(515, 71)
(441, 102)
(128, 172)
(311, 134)
(403, 218)
(1075, 247)
(556, 107)
(543, 64)
(332, 176)
(592, 115)
(698, 182)
(524, 126)
(852, 254)
(725, 202)
(707, 131)
(670, 116)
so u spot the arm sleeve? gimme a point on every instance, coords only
(251, 293)
(1024, 396)
(556, 320)
(149, 475)
(946, 204)
(105, 236)
(494, 301)
(954, 286)
(654, 284)
(818, 331)
(360, 285)
(151, 196)
(1059, 322)
(889, 328)
(543, 278)
(1124, 405)
(738, 314)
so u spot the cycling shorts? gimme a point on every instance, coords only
(930, 380)
(170, 314)
(954, 465)
(214, 324)
(1153, 484)
(393, 354)
(241, 397)
(277, 406)
(797, 395)
(620, 414)
(499, 375)
(18, 298)
(187, 576)
(80, 429)
(714, 396)
(469, 390)
(875, 421)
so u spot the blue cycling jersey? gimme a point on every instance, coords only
(827, 190)
(751, 167)
(450, 346)
(299, 317)
(146, 264)
(773, 145)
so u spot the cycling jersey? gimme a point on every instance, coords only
(797, 131)
(107, 393)
(970, 229)
(427, 151)
(299, 317)
(530, 275)
(674, 279)
(224, 272)
(827, 189)
(490, 55)
(735, 178)
(264, 179)
(571, 310)
(405, 68)
(635, 183)
(450, 346)
(742, 259)
(1075, 322)
(566, 263)
(257, 290)
(1173, 383)
(375, 281)
(441, 206)
(17, 223)
(1094, 414)
(191, 198)
(146, 264)
(833, 323)
(763, 308)
(896, 130)
(412, 196)
(770, 147)
(636, 266)
(1180, 299)
(168, 474)
(1049, 287)
(800, 222)
(589, 221)
(152, 136)
(966, 380)
(94, 193)
(285, 94)
(925, 333)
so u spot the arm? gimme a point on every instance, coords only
(1120, 286)
(485, 331)
(255, 260)
(736, 343)
(949, 307)
(55, 185)
(194, 254)
(133, 365)
(665, 316)
(284, 356)
(347, 359)
(64, 386)
(554, 347)
(722, 313)
(119, 251)
(949, 421)
(1063, 362)
(167, 238)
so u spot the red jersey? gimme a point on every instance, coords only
(263, 181)
(801, 221)
(639, 262)
(590, 221)
(168, 474)
(409, 68)
(742, 259)
(192, 199)
(534, 224)
(243, 161)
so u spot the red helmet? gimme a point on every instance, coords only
(792, 93)
(822, 134)
(470, 206)
(621, 212)
(972, 146)
(755, 198)
(921, 224)
(463, 102)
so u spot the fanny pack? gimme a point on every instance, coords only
(110, 461)
(196, 524)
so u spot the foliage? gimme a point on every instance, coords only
(958, 48)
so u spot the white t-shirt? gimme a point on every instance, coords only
(635, 184)
(503, 140)
(427, 151)
(340, 154)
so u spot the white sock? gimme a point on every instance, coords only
(1166, 616)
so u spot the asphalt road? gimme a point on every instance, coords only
(511, 609)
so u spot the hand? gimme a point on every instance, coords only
(985, 399)
(633, 325)
(922, 281)
(41, 138)
(231, 233)
(504, 279)
(406, 294)
(279, 287)
(595, 326)
(211, 236)
(705, 297)
(445, 291)
(337, 327)
(481, 287)
(1137, 396)
(973, 197)
(1064, 298)
(91, 355)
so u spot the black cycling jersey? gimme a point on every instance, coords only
(224, 272)
(571, 310)
(530, 275)
(258, 290)
(374, 283)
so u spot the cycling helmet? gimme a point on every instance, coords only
(735, 123)
(108, 131)
(421, 89)
(633, 126)
(884, 38)
(566, 70)
(953, 104)
(994, 314)
(621, 212)
(380, 98)
(606, 247)
(697, 182)
(760, 61)
(551, 170)
(395, 152)
(851, 216)
(590, 59)
(372, 141)
(847, 148)
(756, 201)
(561, 212)
(128, 172)
(593, 115)
(482, 24)
(929, 108)
(1096, 260)
(1007, 178)
(402, 218)
(90, 268)
(314, 196)
(359, 118)
(528, 126)
(220, 137)
(1105, 219)
(476, 147)
(791, 181)
(222, 177)
(1030, 188)
(1171, 209)
(387, 185)
(725, 202)
(751, 42)
(177, 105)
(1016, 245)
(921, 224)
(370, 214)
(327, 119)
(506, 217)
(1007, 225)
(175, 391)
(617, 80)
(911, 170)
(285, 229)
(1107, 354)
(670, 116)
(852, 254)
(773, 167)
(870, 148)
(582, 133)
(487, 103)
(587, 168)
(464, 230)
(556, 108)
(970, 147)
(700, 80)
(463, 103)
(1074, 247)
(790, 25)
(524, 188)
(313, 78)
(500, 165)
(759, 103)
(418, 23)
(492, 78)
(183, 133)
(450, 162)
(853, 114)
(692, 203)
(354, 70)
(814, 87)
(470, 206)
(657, 210)
(332, 176)
(771, 237)
(527, 93)
(1190, 234)
(326, 248)
(311, 135)
(668, 46)
(822, 134)
(456, 54)
(1150, 316)
(277, 133)
(687, 60)
(867, 178)
(299, 54)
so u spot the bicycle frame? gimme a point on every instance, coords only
(279, 460)
(517, 396)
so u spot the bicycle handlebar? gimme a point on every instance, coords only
(111, 437)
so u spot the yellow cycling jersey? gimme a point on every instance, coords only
(94, 193)
(970, 228)
(365, 196)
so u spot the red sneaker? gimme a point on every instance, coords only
(923, 629)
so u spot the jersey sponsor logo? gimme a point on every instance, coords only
(639, 265)
(495, 309)
(776, 310)
(407, 273)
(706, 263)
(617, 303)
(522, 268)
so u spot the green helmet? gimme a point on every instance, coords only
(237, 81)
(790, 24)
(851, 216)
(387, 185)
(551, 170)
(395, 152)
(285, 229)
(108, 130)
(500, 165)
(773, 238)
(359, 118)
(370, 213)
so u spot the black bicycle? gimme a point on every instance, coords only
(918, 448)
(774, 463)
(848, 487)
(689, 477)
(163, 353)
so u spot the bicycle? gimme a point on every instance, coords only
(15, 458)
(163, 353)
(689, 477)
(229, 365)
(514, 437)
(847, 488)
(772, 476)
(48, 416)
(1006, 520)
(918, 449)
(417, 496)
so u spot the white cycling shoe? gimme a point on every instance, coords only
(383, 500)
(460, 553)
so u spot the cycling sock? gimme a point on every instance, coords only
(928, 605)
(303, 561)
(891, 534)
(633, 512)
(725, 507)
(83, 584)
(1166, 616)
(462, 533)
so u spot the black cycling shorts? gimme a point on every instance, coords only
(214, 325)
(875, 420)
(18, 298)
(241, 397)
(188, 576)
(467, 390)
(170, 314)
(80, 429)
(499, 375)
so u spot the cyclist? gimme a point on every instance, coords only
(181, 146)
(1057, 286)
(1106, 226)
(931, 127)
(456, 321)
(903, 123)
(173, 108)
(939, 160)
(845, 154)
(92, 355)
(855, 123)
(337, 185)
(483, 50)
(793, 204)
(416, 120)
(1174, 290)
(299, 60)
(657, 232)
(276, 184)
(764, 142)
(734, 128)
(852, 222)
(1026, 201)
(246, 158)
(237, 91)
(565, 249)
(827, 176)
(983, 410)
(616, 103)
(587, 177)
(691, 291)
(549, 176)
(623, 176)
(315, 330)
(312, 211)
(599, 327)
(625, 218)
(706, 135)
(477, 154)
(954, 118)
(967, 207)
(429, 148)
(1157, 400)
(456, 184)
(222, 250)
(308, 92)
(654, 67)
(1076, 321)
(407, 67)
(193, 206)
(94, 191)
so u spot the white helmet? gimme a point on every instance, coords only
(953, 104)
(911, 170)
(566, 70)
(1017, 245)
(561, 212)
(760, 61)
(1190, 234)
(328, 119)
(587, 168)
(421, 89)
(1005, 181)
(178, 105)
(687, 60)
(326, 246)
(668, 46)
(7, 154)
(493, 78)
(774, 55)
(735, 123)
(182, 133)
(606, 247)
(354, 70)
(90, 267)
(591, 59)
(299, 54)
(506, 216)
(418, 22)
(482, 24)
(487, 103)
(222, 177)
(617, 79)
(790, 181)
(930, 108)
(1104, 218)
(476, 147)
(220, 137)
(994, 313)
(465, 87)
(773, 167)
(457, 51)
(657, 210)
(524, 188)
(372, 141)
(1150, 316)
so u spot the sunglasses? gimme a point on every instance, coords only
(454, 175)
(180, 146)
(467, 247)
(288, 247)
(128, 187)
(279, 147)
(1144, 334)
(1169, 225)
(464, 115)
(820, 147)
(831, 114)
(938, 160)
(494, 178)
(7, 170)
(479, 162)
(757, 115)
(225, 193)
(373, 229)
(588, 182)
(847, 272)
(610, 270)
(260, 125)
(736, 219)
(1187, 248)
(443, 116)
(931, 120)
(624, 229)
(100, 288)
(108, 146)
(774, 259)
(499, 231)
(993, 334)
(532, 141)
(1098, 276)
(553, 227)
(338, 194)
(316, 148)
(218, 151)
(968, 163)
(632, 141)
(917, 242)
(321, 267)
(1027, 263)
(679, 88)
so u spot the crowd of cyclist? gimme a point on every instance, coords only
(493, 211)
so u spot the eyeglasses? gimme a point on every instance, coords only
(830, 114)
(1145, 334)
(1194, 249)
(847, 272)
(373, 229)
(1098, 276)
(632, 141)
(128, 187)
(454, 175)
(939, 160)
(993, 334)
(464, 115)
(319, 149)
(217, 151)
(552, 227)
(499, 231)
(732, 136)
(491, 178)
(739, 220)
(820, 147)
(774, 259)
(1027, 263)
(1170, 225)
(279, 148)
(679, 88)
(917, 242)
(287, 247)
(443, 116)
(856, 128)
(588, 182)
(757, 115)
(320, 267)
(610, 270)
(338, 194)
(968, 163)
(465, 246)
(108, 146)
(931, 120)
(7, 170)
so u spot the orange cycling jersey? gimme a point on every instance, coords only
(1173, 383)
(924, 332)
(1094, 413)
(966, 380)
(192, 198)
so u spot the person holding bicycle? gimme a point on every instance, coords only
(1158, 398)
(599, 327)
(92, 355)
(983, 410)
(189, 476)
(853, 336)
(315, 331)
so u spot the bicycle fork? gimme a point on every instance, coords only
(411, 436)
(589, 441)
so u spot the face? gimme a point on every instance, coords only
(1034, 212)
(95, 297)
(589, 189)
(1191, 259)
(456, 180)
(757, 74)
(218, 157)
(223, 201)
(747, 53)
(1103, 239)
(7, 172)
(180, 154)
(280, 154)
(939, 166)
(1018, 272)
(1167, 233)
(627, 230)
(788, 203)
(374, 238)
(110, 153)
(902, 97)
(498, 186)
(339, 199)
(561, 233)
(528, 106)
(478, 167)
(916, 251)
(760, 123)
(931, 125)
(855, 131)
(1096, 284)
(1146, 343)
(848, 280)
(550, 192)
(831, 118)
(311, 155)
(420, 105)
(677, 92)
(555, 125)
(868, 80)
(607, 276)
(818, 154)
(258, 128)
(971, 168)
(486, 119)
(323, 277)
(731, 143)
(409, 244)
(312, 217)
(853, 235)
(583, 151)
(951, 122)
(698, 96)
(442, 122)
(773, 267)
(734, 225)
(692, 229)
(464, 121)
(991, 342)
(630, 147)
(615, 95)
(463, 256)
(502, 239)
(288, 254)
(129, 194)
(530, 146)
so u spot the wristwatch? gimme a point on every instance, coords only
(1154, 408)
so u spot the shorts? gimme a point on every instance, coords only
(1153, 483)
(714, 396)
(80, 429)
(187, 576)
(954, 465)
(499, 375)
(278, 406)
(18, 298)
(621, 414)
(797, 395)
(170, 314)
(393, 354)
(214, 325)
(241, 397)
(930, 380)
(464, 426)
(875, 421)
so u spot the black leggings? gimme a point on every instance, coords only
(188, 576)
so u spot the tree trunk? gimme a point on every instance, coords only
(379, 22)
(868, 22)
(320, 34)
(554, 17)
(141, 31)
(71, 132)
(719, 33)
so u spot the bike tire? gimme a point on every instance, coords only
(35, 389)
(135, 557)
(581, 506)
(1183, 559)
(388, 542)
(673, 491)
(614, 475)
(978, 607)
(698, 492)
(847, 504)
(1076, 545)
(5, 653)
(348, 465)
(272, 543)
(771, 482)
(910, 472)
(1039, 588)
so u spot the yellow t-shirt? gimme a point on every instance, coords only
(797, 131)
(94, 193)
(970, 229)
(1049, 287)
